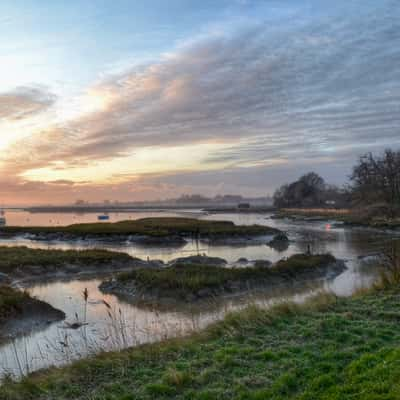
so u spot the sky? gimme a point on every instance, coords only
(144, 100)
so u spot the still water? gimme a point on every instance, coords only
(117, 323)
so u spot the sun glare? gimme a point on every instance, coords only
(154, 160)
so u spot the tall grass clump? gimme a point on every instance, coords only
(390, 264)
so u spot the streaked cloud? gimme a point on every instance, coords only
(317, 86)
(24, 102)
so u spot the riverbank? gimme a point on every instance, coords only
(20, 313)
(191, 282)
(328, 348)
(348, 217)
(147, 231)
(24, 262)
(238, 210)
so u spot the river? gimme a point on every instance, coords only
(117, 324)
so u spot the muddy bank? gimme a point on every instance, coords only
(23, 263)
(244, 241)
(32, 273)
(173, 241)
(26, 315)
(198, 260)
(193, 282)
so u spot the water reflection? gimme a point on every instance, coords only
(26, 218)
(113, 323)
(123, 324)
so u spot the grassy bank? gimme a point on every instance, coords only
(315, 212)
(181, 281)
(154, 227)
(11, 302)
(12, 258)
(348, 216)
(330, 348)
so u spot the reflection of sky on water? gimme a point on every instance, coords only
(126, 324)
(25, 218)
(121, 325)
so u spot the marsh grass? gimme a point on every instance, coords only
(19, 257)
(180, 280)
(155, 227)
(390, 266)
(328, 212)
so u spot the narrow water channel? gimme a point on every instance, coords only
(113, 323)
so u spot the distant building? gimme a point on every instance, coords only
(243, 206)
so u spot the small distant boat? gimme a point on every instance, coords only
(103, 217)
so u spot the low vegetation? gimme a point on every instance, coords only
(298, 262)
(327, 349)
(155, 227)
(12, 258)
(315, 212)
(181, 281)
(367, 216)
(11, 301)
(390, 267)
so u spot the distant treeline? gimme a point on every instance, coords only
(375, 181)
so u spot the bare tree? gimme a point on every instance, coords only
(313, 182)
(377, 179)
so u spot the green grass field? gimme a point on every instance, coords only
(328, 349)
(155, 227)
